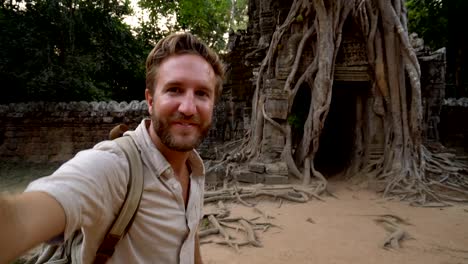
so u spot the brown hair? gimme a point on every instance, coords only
(182, 43)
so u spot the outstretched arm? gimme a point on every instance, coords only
(26, 220)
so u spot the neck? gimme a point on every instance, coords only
(176, 159)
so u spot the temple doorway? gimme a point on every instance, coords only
(337, 140)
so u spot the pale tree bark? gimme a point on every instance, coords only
(407, 168)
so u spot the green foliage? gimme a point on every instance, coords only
(299, 18)
(157, 24)
(64, 50)
(208, 19)
(204, 223)
(295, 121)
(239, 16)
(438, 22)
(72, 50)
(429, 18)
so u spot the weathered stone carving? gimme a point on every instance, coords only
(351, 70)
(352, 53)
(351, 61)
(286, 56)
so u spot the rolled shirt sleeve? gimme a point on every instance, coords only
(90, 187)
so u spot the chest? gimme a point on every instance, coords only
(171, 203)
(185, 186)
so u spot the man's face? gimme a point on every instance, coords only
(181, 107)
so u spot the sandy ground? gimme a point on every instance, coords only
(338, 230)
(343, 230)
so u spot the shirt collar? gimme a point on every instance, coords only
(153, 158)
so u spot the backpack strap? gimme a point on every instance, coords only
(132, 200)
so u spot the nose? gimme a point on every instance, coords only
(187, 105)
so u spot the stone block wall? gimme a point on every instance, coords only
(55, 132)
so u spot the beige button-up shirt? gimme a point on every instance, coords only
(91, 188)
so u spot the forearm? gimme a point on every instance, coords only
(10, 238)
(198, 259)
(27, 220)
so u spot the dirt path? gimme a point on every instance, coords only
(340, 230)
(343, 231)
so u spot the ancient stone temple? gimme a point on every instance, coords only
(43, 132)
(351, 91)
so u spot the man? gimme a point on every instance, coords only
(183, 80)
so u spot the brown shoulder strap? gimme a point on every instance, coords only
(130, 206)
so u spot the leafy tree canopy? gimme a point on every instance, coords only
(71, 50)
(63, 50)
(438, 22)
(208, 19)
(429, 18)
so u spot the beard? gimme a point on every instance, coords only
(182, 142)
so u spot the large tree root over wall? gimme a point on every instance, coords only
(409, 170)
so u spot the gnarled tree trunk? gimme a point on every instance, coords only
(407, 167)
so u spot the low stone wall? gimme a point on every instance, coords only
(54, 132)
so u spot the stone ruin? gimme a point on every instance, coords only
(352, 86)
(54, 132)
(46, 132)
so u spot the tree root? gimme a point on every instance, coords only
(221, 230)
(235, 244)
(265, 216)
(220, 212)
(410, 171)
(252, 239)
(207, 232)
(291, 193)
(238, 224)
(441, 181)
(219, 221)
(393, 240)
(397, 234)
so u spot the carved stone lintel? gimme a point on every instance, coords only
(352, 52)
(352, 73)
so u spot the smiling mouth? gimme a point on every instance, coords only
(185, 124)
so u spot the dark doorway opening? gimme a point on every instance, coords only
(337, 138)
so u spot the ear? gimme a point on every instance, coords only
(149, 100)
